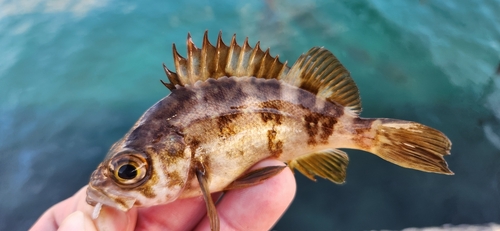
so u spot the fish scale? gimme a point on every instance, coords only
(233, 106)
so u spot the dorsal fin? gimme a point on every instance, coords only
(222, 60)
(317, 71)
(320, 72)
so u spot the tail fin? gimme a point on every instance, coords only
(411, 145)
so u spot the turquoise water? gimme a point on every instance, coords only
(75, 75)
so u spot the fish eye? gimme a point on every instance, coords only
(128, 169)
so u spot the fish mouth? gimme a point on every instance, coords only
(95, 196)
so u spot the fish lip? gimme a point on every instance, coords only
(95, 196)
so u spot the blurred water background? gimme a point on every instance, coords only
(76, 74)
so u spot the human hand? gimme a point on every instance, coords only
(253, 208)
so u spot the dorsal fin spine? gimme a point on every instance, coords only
(283, 70)
(256, 53)
(192, 57)
(275, 70)
(217, 52)
(229, 61)
(180, 63)
(172, 77)
(205, 62)
(221, 54)
(263, 63)
(243, 58)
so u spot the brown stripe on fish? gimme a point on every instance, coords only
(327, 125)
(156, 121)
(227, 91)
(319, 125)
(275, 146)
(183, 99)
(306, 99)
(266, 90)
(225, 124)
(319, 128)
(274, 115)
(311, 126)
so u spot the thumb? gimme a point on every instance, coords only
(114, 219)
(77, 221)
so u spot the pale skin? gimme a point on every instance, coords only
(254, 208)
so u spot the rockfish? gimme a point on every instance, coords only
(233, 106)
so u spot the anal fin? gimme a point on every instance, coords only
(254, 177)
(330, 164)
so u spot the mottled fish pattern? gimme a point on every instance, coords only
(232, 106)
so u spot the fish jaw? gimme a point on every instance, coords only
(95, 196)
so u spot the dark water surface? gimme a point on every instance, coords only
(75, 75)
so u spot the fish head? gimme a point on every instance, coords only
(141, 172)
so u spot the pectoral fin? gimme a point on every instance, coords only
(254, 177)
(329, 164)
(211, 210)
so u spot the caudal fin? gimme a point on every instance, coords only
(411, 145)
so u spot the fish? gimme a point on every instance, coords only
(231, 106)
